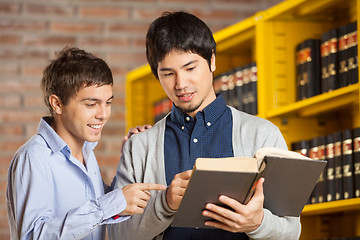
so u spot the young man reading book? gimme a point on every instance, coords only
(55, 190)
(181, 52)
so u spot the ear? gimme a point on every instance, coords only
(212, 63)
(56, 104)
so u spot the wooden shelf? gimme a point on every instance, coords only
(331, 207)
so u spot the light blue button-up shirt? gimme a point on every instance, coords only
(51, 195)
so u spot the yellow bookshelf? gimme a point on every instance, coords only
(269, 38)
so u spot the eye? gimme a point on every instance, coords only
(190, 68)
(108, 103)
(90, 104)
(167, 74)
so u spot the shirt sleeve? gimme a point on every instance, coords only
(31, 203)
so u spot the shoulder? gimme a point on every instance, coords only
(33, 153)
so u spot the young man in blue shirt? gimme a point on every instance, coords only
(181, 53)
(55, 190)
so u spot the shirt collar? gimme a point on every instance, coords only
(210, 113)
(54, 141)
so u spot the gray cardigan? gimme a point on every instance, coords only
(143, 161)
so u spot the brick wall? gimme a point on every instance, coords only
(32, 30)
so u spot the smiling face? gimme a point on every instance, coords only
(187, 80)
(85, 115)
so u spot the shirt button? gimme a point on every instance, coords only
(209, 124)
(187, 118)
(195, 140)
(182, 127)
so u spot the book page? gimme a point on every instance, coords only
(231, 164)
(277, 152)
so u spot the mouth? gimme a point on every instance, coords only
(186, 96)
(95, 126)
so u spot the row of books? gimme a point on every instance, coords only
(341, 177)
(325, 64)
(239, 87)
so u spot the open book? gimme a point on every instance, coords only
(289, 180)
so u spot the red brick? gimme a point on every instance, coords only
(46, 40)
(12, 101)
(9, 68)
(127, 28)
(103, 42)
(9, 8)
(148, 14)
(50, 10)
(104, 12)
(24, 55)
(34, 71)
(75, 27)
(127, 58)
(17, 86)
(23, 25)
(20, 116)
(31, 101)
(10, 130)
(11, 145)
(9, 39)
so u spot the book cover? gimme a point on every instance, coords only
(290, 179)
(339, 190)
(332, 61)
(348, 165)
(343, 56)
(239, 82)
(356, 153)
(352, 60)
(325, 51)
(311, 74)
(330, 168)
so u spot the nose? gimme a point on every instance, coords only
(103, 112)
(181, 81)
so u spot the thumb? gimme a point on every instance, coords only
(259, 190)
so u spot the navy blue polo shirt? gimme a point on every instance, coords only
(209, 135)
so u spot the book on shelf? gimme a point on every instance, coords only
(325, 51)
(289, 180)
(339, 190)
(347, 163)
(330, 168)
(317, 152)
(329, 60)
(332, 61)
(352, 58)
(356, 153)
(309, 83)
(239, 88)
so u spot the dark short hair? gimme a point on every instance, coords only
(72, 70)
(180, 31)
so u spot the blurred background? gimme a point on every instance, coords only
(32, 31)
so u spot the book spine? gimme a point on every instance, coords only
(322, 183)
(253, 89)
(339, 191)
(333, 65)
(314, 154)
(356, 153)
(312, 67)
(225, 87)
(300, 82)
(330, 168)
(246, 91)
(239, 83)
(324, 51)
(348, 165)
(343, 56)
(352, 53)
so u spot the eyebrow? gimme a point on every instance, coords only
(96, 99)
(183, 66)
